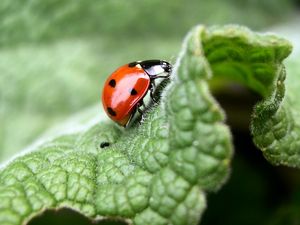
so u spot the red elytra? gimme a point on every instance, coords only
(125, 88)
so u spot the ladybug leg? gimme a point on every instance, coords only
(152, 88)
(138, 107)
(142, 103)
(153, 83)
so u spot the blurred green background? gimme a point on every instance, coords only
(55, 54)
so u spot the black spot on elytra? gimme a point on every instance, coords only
(133, 91)
(112, 83)
(104, 144)
(111, 111)
(132, 64)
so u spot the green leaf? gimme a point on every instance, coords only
(274, 120)
(275, 125)
(157, 172)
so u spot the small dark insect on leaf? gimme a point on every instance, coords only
(104, 144)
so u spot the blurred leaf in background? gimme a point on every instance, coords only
(32, 21)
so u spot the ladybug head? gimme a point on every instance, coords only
(166, 66)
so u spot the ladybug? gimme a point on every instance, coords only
(125, 88)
